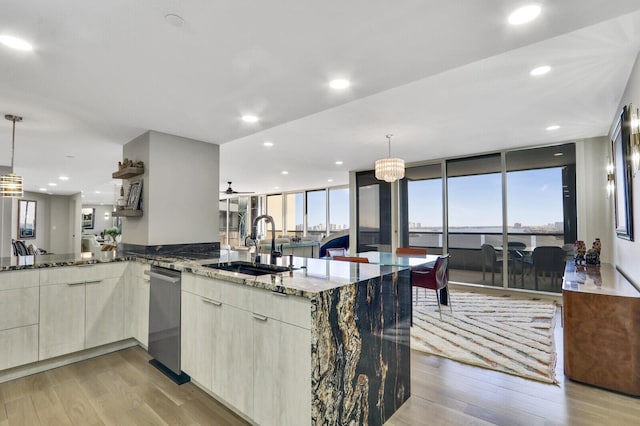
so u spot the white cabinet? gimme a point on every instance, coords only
(104, 311)
(233, 359)
(136, 301)
(80, 307)
(198, 327)
(249, 347)
(62, 310)
(282, 373)
(19, 317)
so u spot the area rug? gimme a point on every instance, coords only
(506, 334)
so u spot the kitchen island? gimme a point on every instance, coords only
(324, 343)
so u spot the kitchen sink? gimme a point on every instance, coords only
(248, 268)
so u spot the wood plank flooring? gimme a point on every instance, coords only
(121, 388)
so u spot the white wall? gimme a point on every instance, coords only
(62, 215)
(135, 230)
(179, 192)
(627, 253)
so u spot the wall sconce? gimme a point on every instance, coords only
(635, 138)
(611, 186)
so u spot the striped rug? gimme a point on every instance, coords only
(506, 334)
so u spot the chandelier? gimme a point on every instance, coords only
(11, 184)
(389, 169)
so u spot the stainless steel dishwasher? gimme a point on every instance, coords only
(164, 323)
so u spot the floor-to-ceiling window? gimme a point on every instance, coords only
(338, 210)
(374, 213)
(274, 209)
(317, 213)
(294, 214)
(422, 226)
(520, 243)
(540, 215)
(475, 218)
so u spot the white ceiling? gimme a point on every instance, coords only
(446, 78)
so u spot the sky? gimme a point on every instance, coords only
(534, 199)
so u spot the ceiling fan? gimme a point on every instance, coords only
(230, 191)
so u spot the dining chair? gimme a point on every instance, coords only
(351, 259)
(491, 260)
(548, 259)
(518, 256)
(411, 251)
(433, 279)
(336, 251)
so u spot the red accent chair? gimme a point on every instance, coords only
(433, 279)
(411, 251)
(351, 259)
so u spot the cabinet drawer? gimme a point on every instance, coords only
(290, 309)
(202, 286)
(19, 307)
(81, 273)
(18, 346)
(10, 280)
(238, 295)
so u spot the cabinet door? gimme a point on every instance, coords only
(62, 310)
(18, 346)
(282, 368)
(104, 311)
(136, 312)
(233, 359)
(199, 317)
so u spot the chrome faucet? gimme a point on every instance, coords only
(254, 231)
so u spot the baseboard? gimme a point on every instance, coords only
(48, 364)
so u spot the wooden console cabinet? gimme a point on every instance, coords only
(601, 313)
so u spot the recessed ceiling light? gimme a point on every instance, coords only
(558, 154)
(43, 189)
(540, 70)
(276, 187)
(269, 144)
(97, 192)
(339, 163)
(554, 127)
(63, 177)
(15, 43)
(329, 180)
(52, 184)
(524, 14)
(284, 172)
(339, 84)
(249, 118)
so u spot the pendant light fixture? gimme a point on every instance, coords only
(389, 169)
(11, 184)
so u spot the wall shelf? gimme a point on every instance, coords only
(127, 213)
(128, 172)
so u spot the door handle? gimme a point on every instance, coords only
(211, 302)
(259, 317)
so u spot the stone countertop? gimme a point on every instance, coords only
(308, 278)
(52, 260)
(597, 279)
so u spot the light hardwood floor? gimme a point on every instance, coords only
(122, 388)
